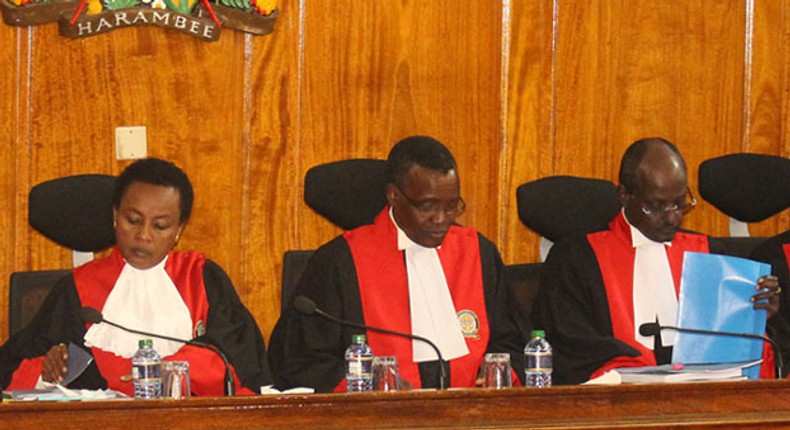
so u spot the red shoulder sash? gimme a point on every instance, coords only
(384, 292)
(96, 279)
(615, 256)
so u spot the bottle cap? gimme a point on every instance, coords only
(538, 333)
(358, 338)
(146, 342)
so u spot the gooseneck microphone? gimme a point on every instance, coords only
(305, 306)
(92, 315)
(652, 329)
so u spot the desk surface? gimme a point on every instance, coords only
(745, 404)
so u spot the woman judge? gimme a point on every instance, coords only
(144, 285)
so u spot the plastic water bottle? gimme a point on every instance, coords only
(359, 365)
(147, 371)
(538, 361)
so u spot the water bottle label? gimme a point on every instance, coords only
(360, 366)
(539, 361)
(147, 372)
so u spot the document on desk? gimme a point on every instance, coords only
(668, 373)
(59, 393)
(715, 293)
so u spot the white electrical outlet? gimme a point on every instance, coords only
(130, 143)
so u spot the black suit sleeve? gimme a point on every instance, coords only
(573, 308)
(57, 321)
(502, 308)
(308, 351)
(232, 328)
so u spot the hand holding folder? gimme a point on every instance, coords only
(715, 294)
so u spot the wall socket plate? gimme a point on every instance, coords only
(130, 143)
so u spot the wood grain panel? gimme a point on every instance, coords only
(185, 91)
(629, 69)
(11, 40)
(379, 71)
(274, 212)
(769, 97)
(720, 405)
(529, 119)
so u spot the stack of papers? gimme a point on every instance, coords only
(59, 394)
(687, 373)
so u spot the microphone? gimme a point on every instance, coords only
(305, 306)
(652, 329)
(92, 315)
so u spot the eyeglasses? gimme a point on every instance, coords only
(658, 209)
(432, 207)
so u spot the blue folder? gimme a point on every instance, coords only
(715, 293)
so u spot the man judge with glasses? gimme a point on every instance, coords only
(414, 270)
(597, 289)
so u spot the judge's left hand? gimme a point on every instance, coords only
(54, 366)
(770, 290)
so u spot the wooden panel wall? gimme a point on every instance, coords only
(518, 89)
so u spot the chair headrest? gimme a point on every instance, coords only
(348, 193)
(74, 211)
(558, 206)
(747, 187)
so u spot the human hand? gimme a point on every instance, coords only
(55, 364)
(768, 298)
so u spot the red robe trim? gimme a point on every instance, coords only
(94, 282)
(384, 292)
(786, 250)
(615, 254)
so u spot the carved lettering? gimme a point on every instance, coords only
(162, 17)
(208, 31)
(84, 28)
(140, 18)
(106, 21)
(103, 23)
(120, 18)
(181, 22)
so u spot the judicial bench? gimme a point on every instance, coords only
(744, 404)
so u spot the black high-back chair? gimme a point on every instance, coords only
(347, 193)
(746, 187)
(556, 207)
(74, 212)
(559, 206)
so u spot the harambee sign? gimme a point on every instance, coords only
(199, 18)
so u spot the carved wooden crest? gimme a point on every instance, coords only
(200, 18)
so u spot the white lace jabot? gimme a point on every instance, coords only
(145, 300)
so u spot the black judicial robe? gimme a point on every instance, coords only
(309, 351)
(776, 252)
(210, 297)
(589, 322)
